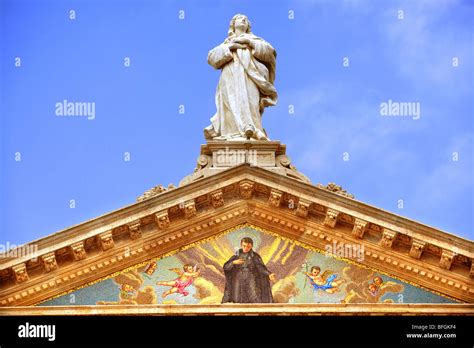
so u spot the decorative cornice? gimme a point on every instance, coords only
(245, 172)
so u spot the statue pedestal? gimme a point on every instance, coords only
(217, 156)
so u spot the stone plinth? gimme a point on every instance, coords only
(217, 156)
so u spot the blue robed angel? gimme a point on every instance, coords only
(326, 281)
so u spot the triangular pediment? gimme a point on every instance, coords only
(303, 275)
(308, 216)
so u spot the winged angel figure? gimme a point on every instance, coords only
(326, 281)
(185, 279)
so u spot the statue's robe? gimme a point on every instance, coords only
(248, 282)
(245, 86)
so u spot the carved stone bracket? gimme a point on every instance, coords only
(275, 198)
(388, 237)
(417, 247)
(446, 259)
(162, 219)
(471, 271)
(78, 251)
(303, 207)
(217, 199)
(21, 275)
(246, 189)
(331, 217)
(49, 262)
(106, 240)
(189, 209)
(134, 229)
(359, 228)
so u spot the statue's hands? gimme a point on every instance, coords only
(233, 46)
(243, 41)
(272, 277)
(238, 262)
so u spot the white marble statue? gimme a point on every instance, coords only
(246, 84)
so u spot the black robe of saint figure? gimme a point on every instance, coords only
(248, 282)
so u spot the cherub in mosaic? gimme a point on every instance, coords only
(179, 285)
(326, 281)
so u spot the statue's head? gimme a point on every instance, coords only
(239, 21)
(246, 244)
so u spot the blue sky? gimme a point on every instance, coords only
(337, 107)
